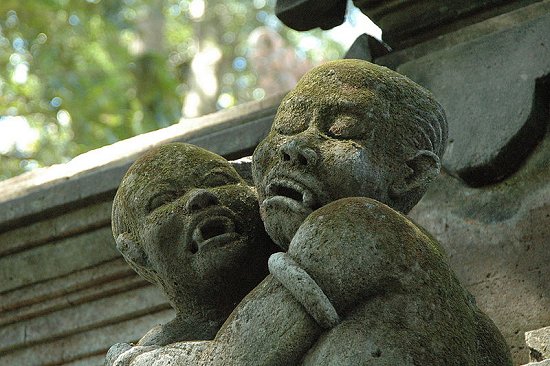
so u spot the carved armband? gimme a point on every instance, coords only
(304, 289)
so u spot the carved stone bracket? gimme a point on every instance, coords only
(495, 90)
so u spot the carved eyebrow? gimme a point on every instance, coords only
(160, 198)
(153, 188)
(227, 172)
(345, 106)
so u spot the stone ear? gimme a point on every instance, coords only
(424, 168)
(131, 250)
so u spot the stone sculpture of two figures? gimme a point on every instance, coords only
(350, 281)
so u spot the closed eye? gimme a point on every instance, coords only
(217, 178)
(346, 127)
(160, 199)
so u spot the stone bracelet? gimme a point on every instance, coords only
(304, 289)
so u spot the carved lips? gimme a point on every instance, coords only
(212, 228)
(298, 192)
(292, 194)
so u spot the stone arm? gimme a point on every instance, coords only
(268, 327)
(281, 319)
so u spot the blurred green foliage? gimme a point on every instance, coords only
(81, 74)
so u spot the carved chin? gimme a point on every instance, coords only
(282, 217)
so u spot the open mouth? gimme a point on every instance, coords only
(213, 231)
(293, 193)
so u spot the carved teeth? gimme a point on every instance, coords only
(292, 190)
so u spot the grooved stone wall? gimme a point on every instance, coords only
(66, 295)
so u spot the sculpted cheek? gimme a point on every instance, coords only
(344, 166)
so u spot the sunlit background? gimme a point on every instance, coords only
(80, 74)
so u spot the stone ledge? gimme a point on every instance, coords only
(494, 89)
(73, 223)
(99, 291)
(87, 347)
(63, 257)
(80, 318)
(408, 22)
(65, 285)
(94, 176)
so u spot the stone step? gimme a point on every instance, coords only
(538, 342)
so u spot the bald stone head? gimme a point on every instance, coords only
(185, 220)
(349, 128)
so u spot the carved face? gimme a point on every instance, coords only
(321, 148)
(197, 222)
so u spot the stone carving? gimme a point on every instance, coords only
(186, 221)
(349, 128)
(351, 146)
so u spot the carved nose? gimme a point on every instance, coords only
(298, 153)
(200, 199)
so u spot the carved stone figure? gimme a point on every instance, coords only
(360, 285)
(186, 221)
(349, 128)
(351, 146)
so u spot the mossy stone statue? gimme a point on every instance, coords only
(352, 149)
(187, 222)
(349, 128)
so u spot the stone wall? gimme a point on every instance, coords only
(491, 206)
(66, 295)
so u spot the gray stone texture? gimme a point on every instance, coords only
(542, 363)
(359, 281)
(406, 22)
(186, 221)
(497, 239)
(376, 281)
(538, 342)
(497, 235)
(349, 128)
(495, 91)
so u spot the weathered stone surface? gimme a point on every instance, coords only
(542, 363)
(65, 285)
(364, 272)
(359, 281)
(87, 347)
(79, 318)
(186, 221)
(97, 360)
(497, 241)
(95, 292)
(360, 49)
(367, 48)
(63, 257)
(538, 342)
(70, 224)
(349, 128)
(494, 90)
(405, 22)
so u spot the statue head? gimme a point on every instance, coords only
(349, 128)
(185, 220)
